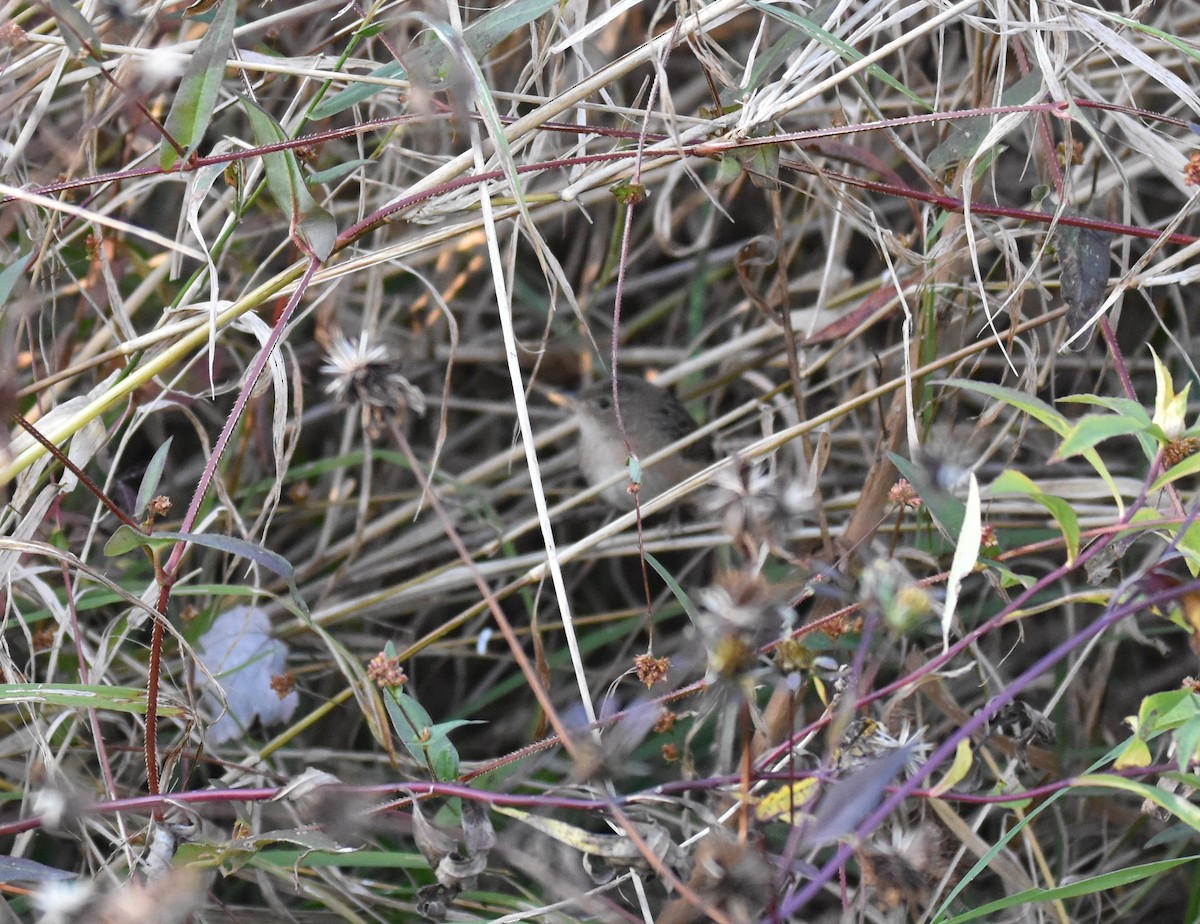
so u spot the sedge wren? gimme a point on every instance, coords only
(653, 420)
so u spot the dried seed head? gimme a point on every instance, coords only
(759, 507)
(365, 374)
(905, 868)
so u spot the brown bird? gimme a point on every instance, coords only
(653, 419)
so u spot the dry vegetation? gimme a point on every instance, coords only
(308, 615)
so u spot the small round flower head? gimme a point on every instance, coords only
(365, 374)
(905, 605)
(738, 615)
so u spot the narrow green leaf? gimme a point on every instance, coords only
(1040, 411)
(283, 174)
(314, 227)
(946, 509)
(74, 28)
(966, 554)
(1067, 520)
(153, 476)
(333, 174)
(1189, 466)
(775, 56)
(1115, 880)
(272, 561)
(680, 594)
(19, 869)
(1181, 808)
(427, 743)
(356, 92)
(312, 859)
(829, 40)
(10, 274)
(1126, 406)
(125, 539)
(1014, 482)
(1095, 428)
(493, 27)
(1173, 40)
(81, 696)
(1008, 577)
(1189, 545)
(430, 63)
(1035, 407)
(1187, 742)
(196, 100)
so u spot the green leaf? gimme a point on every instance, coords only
(74, 28)
(430, 63)
(493, 27)
(1166, 37)
(10, 275)
(234, 854)
(680, 594)
(1036, 408)
(125, 539)
(312, 859)
(1187, 742)
(966, 554)
(1188, 466)
(356, 92)
(1189, 545)
(1008, 577)
(1162, 712)
(1040, 411)
(19, 869)
(946, 509)
(1117, 879)
(1014, 482)
(196, 100)
(775, 56)
(1126, 406)
(762, 164)
(82, 696)
(1095, 428)
(1181, 808)
(429, 744)
(829, 40)
(313, 227)
(151, 479)
(333, 174)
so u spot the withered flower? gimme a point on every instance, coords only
(365, 374)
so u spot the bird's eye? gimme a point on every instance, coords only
(604, 403)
